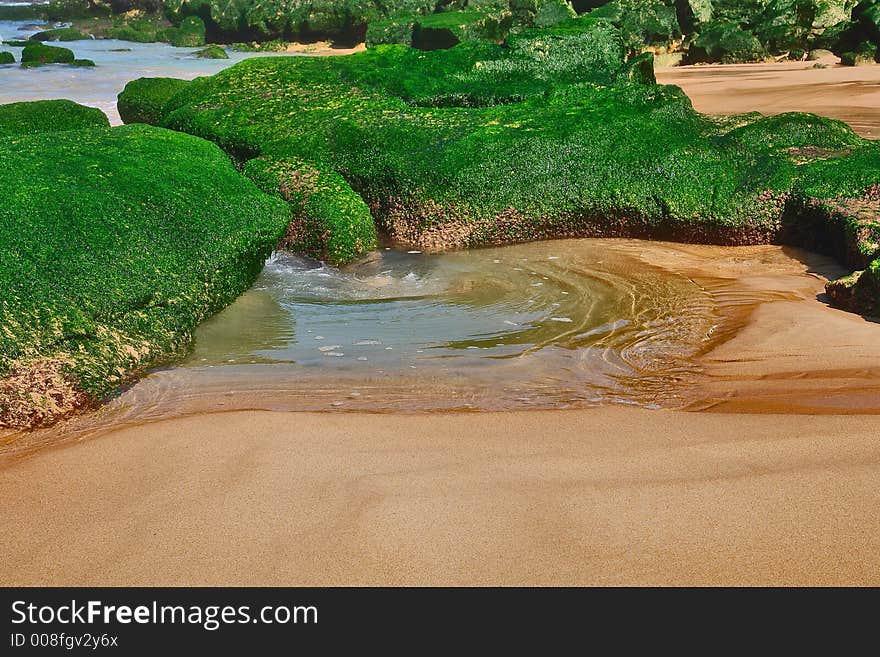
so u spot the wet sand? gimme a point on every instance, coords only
(848, 93)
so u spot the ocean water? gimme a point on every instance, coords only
(117, 62)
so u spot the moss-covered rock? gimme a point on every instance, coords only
(212, 52)
(48, 116)
(726, 43)
(6, 57)
(864, 55)
(552, 134)
(83, 63)
(37, 54)
(144, 100)
(330, 221)
(116, 244)
(61, 34)
(190, 33)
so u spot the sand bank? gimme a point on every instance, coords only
(848, 93)
(606, 496)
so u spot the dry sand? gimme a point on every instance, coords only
(849, 93)
(609, 496)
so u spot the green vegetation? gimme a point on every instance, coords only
(190, 34)
(6, 57)
(145, 99)
(212, 52)
(60, 34)
(48, 116)
(551, 134)
(37, 54)
(83, 63)
(111, 256)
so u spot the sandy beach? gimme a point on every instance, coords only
(611, 496)
(848, 93)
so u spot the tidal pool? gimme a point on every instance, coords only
(549, 324)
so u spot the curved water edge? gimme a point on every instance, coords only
(117, 63)
(561, 324)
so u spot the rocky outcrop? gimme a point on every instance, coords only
(118, 243)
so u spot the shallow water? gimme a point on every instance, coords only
(117, 62)
(551, 324)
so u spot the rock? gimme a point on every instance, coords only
(212, 52)
(61, 34)
(190, 33)
(820, 55)
(37, 54)
(145, 253)
(726, 43)
(865, 55)
(48, 116)
(6, 57)
(84, 63)
(142, 100)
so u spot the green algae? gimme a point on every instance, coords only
(117, 242)
(48, 116)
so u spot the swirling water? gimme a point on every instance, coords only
(549, 324)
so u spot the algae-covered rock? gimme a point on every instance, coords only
(48, 116)
(61, 34)
(330, 221)
(212, 52)
(190, 33)
(37, 54)
(554, 133)
(6, 57)
(864, 55)
(83, 63)
(143, 100)
(726, 43)
(859, 292)
(116, 244)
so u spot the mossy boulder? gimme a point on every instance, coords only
(37, 54)
(212, 52)
(554, 133)
(48, 116)
(6, 57)
(83, 63)
(725, 43)
(117, 242)
(144, 100)
(61, 34)
(190, 33)
(330, 221)
(864, 55)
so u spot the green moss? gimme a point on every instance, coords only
(154, 231)
(6, 57)
(330, 221)
(143, 100)
(48, 116)
(37, 54)
(60, 34)
(212, 52)
(83, 63)
(553, 133)
(190, 33)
